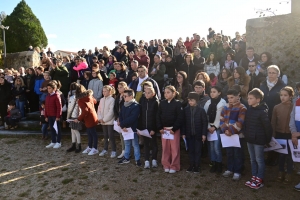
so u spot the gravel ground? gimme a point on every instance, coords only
(30, 171)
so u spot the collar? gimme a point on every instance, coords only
(142, 79)
(256, 72)
(52, 93)
(251, 58)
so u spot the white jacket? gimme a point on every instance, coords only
(220, 107)
(106, 110)
(212, 68)
(73, 109)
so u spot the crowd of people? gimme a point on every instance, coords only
(195, 89)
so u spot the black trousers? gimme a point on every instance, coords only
(150, 142)
(194, 148)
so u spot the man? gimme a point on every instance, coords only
(83, 53)
(236, 40)
(217, 48)
(226, 50)
(196, 40)
(256, 76)
(137, 84)
(198, 60)
(152, 49)
(60, 73)
(239, 53)
(89, 58)
(211, 33)
(250, 56)
(30, 48)
(243, 42)
(49, 52)
(142, 58)
(180, 58)
(96, 53)
(167, 48)
(134, 65)
(117, 46)
(129, 44)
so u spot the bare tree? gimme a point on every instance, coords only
(269, 11)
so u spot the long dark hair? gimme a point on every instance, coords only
(185, 81)
(79, 89)
(241, 71)
(214, 60)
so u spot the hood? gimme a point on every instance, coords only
(86, 94)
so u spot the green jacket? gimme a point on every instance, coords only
(61, 74)
(217, 49)
(205, 52)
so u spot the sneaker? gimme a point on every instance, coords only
(103, 152)
(167, 170)
(124, 161)
(197, 170)
(236, 177)
(147, 165)
(227, 173)
(93, 152)
(297, 187)
(190, 169)
(121, 155)
(51, 145)
(87, 150)
(172, 171)
(138, 163)
(280, 176)
(57, 145)
(258, 183)
(113, 154)
(154, 163)
(248, 183)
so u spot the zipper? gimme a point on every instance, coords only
(147, 114)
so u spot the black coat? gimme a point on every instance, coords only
(170, 51)
(169, 114)
(245, 61)
(5, 92)
(199, 64)
(170, 69)
(239, 55)
(149, 109)
(179, 60)
(200, 122)
(20, 94)
(118, 106)
(189, 70)
(257, 127)
(256, 80)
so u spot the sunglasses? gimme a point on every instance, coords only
(251, 65)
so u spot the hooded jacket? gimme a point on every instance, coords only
(86, 103)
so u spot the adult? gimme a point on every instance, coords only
(160, 49)
(167, 48)
(188, 67)
(196, 42)
(46, 62)
(212, 65)
(264, 62)
(239, 53)
(222, 81)
(39, 79)
(217, 48)
(89, 58)
(205, 50)
(157, 71)
(129, 44)
(60, 73)
(49, 52)
(229, 63)
(66, 62)
(5, 91)
(31, 96)
(96, 53)
(199, 61)
(134, 65)
(176, 50)
(226, 50)
(121, 73)
(182, 87)
(22, 73)
(19, 94)
(151, 51)
(188, 45)
(179, 59)
(142, 58)
(100, 68)
(203, 76)
(256, 77)
(250, 56)
(124, 55)
(240, 78)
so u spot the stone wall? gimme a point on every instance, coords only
(25, 59)
(279, 35)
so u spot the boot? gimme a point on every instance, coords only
(219, 167)
(72, 148)
(213, 168)
(78, 149)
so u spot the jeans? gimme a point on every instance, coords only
(56, 137)
(21, 106)
(136, 147)
(215, 149)
(194, 147)
(257, 160)
(45, 129)
(234, 159)
(10, 121)
(92, 137)
(108, 131)
(150, 142)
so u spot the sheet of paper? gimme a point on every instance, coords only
(185, 143)
(55, 127)
(273, 145)
(283, 144)
(297, 116)
(295, 150)
(212, 137)
(70, 120)
(144, 133)
(167, 135)
(117, 127)
(230, 141)
(129, 135)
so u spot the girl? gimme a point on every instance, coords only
(212, 65)
(113, 81)
(121, 73)
(280, 124)
(203, 76)
(183, 87)
(88, 115)
(106, 118)
(73, 113)
(230, 64)
(87, 77)
(19, 93)
(119, 102)
(96, 85)
(149, 108)
(213, 108)
(169, 121)
(240, 78)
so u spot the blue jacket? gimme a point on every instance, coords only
(38, 84)
(129, 116)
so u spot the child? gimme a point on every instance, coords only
(87, 77)
(149, 108)
(280, 124)
(199, 88)
(43, 122)
(53, 112)
(106, 118)
(231, 122)
(113, 81)
(81, 67)
(194, 130)
(129, 119)
(213, 109)
(73, 113)
(169, 118)
(88, 115)
(133, 77)
(13, 117)
(96, 85)
(258, 132)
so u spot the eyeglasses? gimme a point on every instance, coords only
(251, 65)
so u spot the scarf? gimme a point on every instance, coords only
(236, 81)
(271, 84)
(126, 104)
(212, 109)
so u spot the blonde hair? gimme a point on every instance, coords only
(151, 89)
(173, 90)
(22, 82)
(124, 84)
(110, 89)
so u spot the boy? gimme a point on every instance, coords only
(231, 122)
(194, 130)
(199, 88)
(128, 118)
(43, 122)
(258, 132)
(13, 117)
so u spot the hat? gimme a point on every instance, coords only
(193, 95)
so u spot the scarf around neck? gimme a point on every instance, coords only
(126, 104)
(271, 84)
(212, 109)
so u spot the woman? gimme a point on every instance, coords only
(110, 63)
(31, 96)
(212, 65)
(222, 81)
(230, 64)
(121, 73)
(265, 62)
(46, 62)
(160, 49)
(205, 50)
(96, 85)
(44, 90)
(183, 87)
(240, 78)
(203, 76)
(157, 71)
(124, 55)
(188, 67)
(19, 94)
(66, 63)
(5, 91)
(176, 50)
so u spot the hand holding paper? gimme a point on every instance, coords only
(167, 135)
(230, 141)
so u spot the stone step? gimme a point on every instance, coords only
(33, 115)
(29, 125)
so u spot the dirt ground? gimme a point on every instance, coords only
(30, 171)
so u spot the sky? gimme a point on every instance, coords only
(71, 25)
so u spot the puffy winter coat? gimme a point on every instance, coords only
(129, 116)
(106, 110)
(73, 109)
(86, 103)
(149, 109)
(96, 85)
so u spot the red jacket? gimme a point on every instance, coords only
(53, 106)
(188, 46)
(86, 103)
(143, 60)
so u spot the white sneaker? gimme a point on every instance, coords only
(121, 155)
(87, 150)
(236, 177)
(50, 145)
(167, 170)
(113, 154)
(227, 173)
(154, 163)
(93, 152)
(147, 165)
(103, 152)
(57, 145)
(172, 171)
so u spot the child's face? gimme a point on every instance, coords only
(11, 107)
(284, 96)
(121, 89)
(85, 76)
(233, 99)
(111, 76)
(169, 94)
(148, 93)
(43, 106)
(94, 74)
(199, 89)
(127, 98)
(50, 89)
(106, 92)
(192, 102)
(252, 101)
(214, 93)
(133, 78)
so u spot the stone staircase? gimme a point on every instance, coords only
(32, 121)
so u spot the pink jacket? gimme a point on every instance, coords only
(81, 66)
